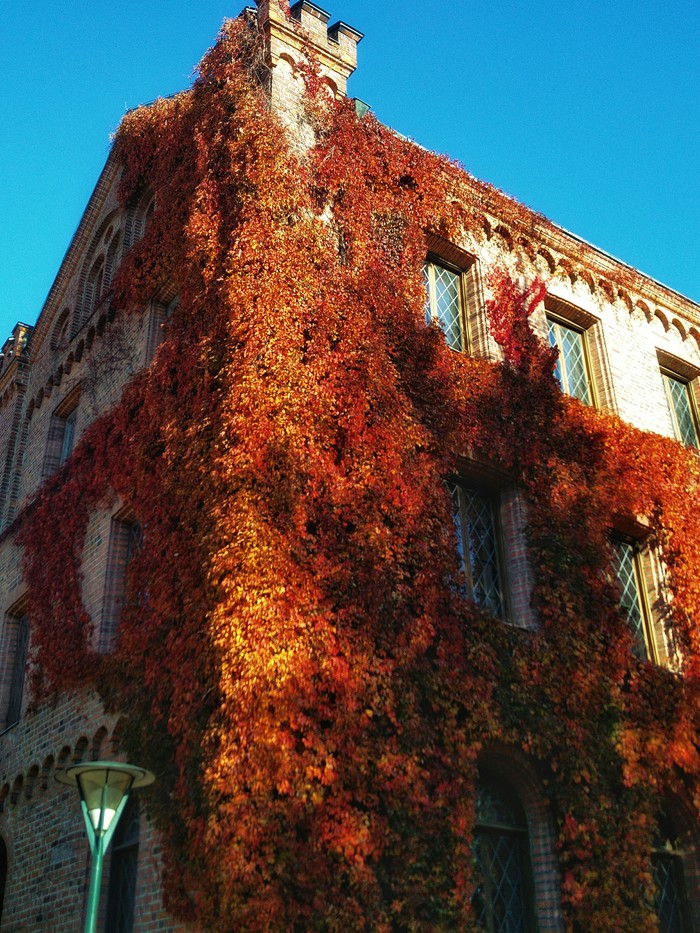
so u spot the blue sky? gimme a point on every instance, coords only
(588, 112)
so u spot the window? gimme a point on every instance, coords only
(17, 649)
(454, 301)
(633, 601)
(571, 370)
(667, 864)
(125, 541)
(122, 871)
(582, 366)
(68, 436)
(478, 540)
(502, 900)
(61, 433)
(681, 407)
(444, 303)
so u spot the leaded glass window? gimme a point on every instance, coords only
(122, 872)
(444, 302)
(67, 428)
(478, 542)
(501, 901)
(667, 864)
(632, 602)
(680, 406)
(19, 664)
(571, 368)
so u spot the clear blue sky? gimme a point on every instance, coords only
(588, 112)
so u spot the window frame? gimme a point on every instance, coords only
(667, 850)
(561, 360)
(62, 428)
(16, 644)
(599, 381)
(492, 497)
(125, 542)
(673, 411)
(678, 370)
(519, 838)
(472, 317)
(430, 264)
(639, 554)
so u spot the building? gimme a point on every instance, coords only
(400, 609)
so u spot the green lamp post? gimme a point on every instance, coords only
(104, 788)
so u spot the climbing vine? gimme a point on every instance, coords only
(296, 659)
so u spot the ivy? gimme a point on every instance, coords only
(295, 660)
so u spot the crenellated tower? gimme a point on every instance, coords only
(290, 34)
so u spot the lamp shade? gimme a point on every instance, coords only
(102, 786)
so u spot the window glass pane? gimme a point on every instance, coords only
(670, 900)
(552, 336)
(443, 305)
(631, 601)
(667, 866)
(500, 847)
(494, 809)
(571, 369)
(680, 407)
(68, 436)
(458, 515)
(477, 540)
(483, 552)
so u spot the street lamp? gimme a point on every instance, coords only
(104, 788)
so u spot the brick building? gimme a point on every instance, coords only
(627, 345)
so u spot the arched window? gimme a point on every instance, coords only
(122, 872)
(503, 897)
(667, 864)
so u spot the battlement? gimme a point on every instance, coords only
(334, 47)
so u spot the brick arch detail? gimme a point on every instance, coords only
(108, 252)
(37, 778)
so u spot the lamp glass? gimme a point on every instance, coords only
(102, 791)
